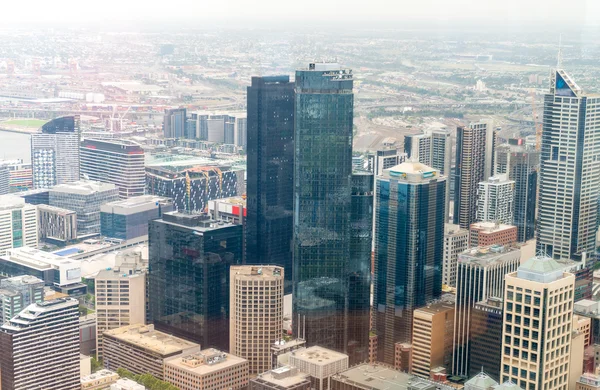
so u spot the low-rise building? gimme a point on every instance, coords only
(99, 380)
(319, 363)
(280, 351)
(209, 369)
(491, 233)
(141, 349)
(588, 381)
(282, 378)
(126, 384)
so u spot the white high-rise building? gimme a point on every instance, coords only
(18, 223)
(495, 200)
(538, 321)
(456, 241)
(569, 183)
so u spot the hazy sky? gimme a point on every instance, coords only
(586, 12)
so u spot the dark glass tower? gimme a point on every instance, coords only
(270, 180)
(174, 123)
(189, 260)
(322, 205)
(409, 235)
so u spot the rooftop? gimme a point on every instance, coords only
(508, 385)
(8, 202)
(58, 210)
(382, 377)
(83, 187)
(490, 255)
(481, 381)
(206, 361)
(135, 204)
(541, 268)
(412, 172)
(256, 271)
(318, 355)
(198, 222)
(30, 313)
(491, 227)
(436, 307)
(38, 259)
(144, 336)
(285, 376)
(99, 375)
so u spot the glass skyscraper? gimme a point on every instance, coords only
(409, 236)
(322, 205)
(270, 180)
(189, 260)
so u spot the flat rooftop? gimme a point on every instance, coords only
(83, 187)
(318, 355)
(491, 227)
(257, 271)
(135, 204)
(146, 337)
(489, 255)
(376, 377)
(37, 259)
(58, 210)
(285, 376)
(199, 363)
(436, 307)
(8, 202)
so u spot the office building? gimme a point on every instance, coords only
(320, 364)
(54, 363)
(480, 275)
(60, 273)
(433, 330)
(495, 200)
(232, 210)
(128, 219)
(209, 369)
(323, 201)
(206, 182)
(538, 311)
(174, 123)
(270, 173)
(116, 161)
(17, 293)
(55, 152)
(35, 197)
(189, 258)
(491, 233)
(99, 380)
(57, 225)
(456, 240)
(18, 223)
(141, 349)
(280, 350)
(568, 185)
(473, 165)
(252, 332)
(20, 176)
(409, 215)
(120, 296)
(85, 198)
(282, 378)
(486, 331)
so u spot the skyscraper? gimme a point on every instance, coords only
(174, 123)
(322, 203)
(569, 165)
(270, 174)
(55, 152)
(480, 275)
(495, 200)
(538, 315)
(116, 161)
(473, 165)
(456, 241)
(408, 250)
(189, 260)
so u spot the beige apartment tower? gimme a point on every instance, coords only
(538, 321)
(256, 313)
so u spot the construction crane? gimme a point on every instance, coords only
(538, 126)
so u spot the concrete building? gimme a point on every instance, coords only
(17, 293)
(141, 349)
(282, 378)
(99, 380)
(20, 176)
(116, 161)
(128, 219)
(18, 223)
(232, 209)
(4, 180)
(495, 200)
(126, 384)
(433, 331)
(480, 275)
(456, 240)
(120, 296)
(85, 198)
(252, 332)
(53, 364)
(491, 233)
(588, 381)
(538, 323)
(57, 225)
(485, 352)
(320, 364)
(209, 369)
(55, 152)
(281, 349)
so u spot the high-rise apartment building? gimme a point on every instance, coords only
(39, 347)
(18, 223)
(189, 260)
(569, 184)
(57, 225)
(495, 200)
(323, 201)
(116, 161)
(256, 313)
(480, 275)
(474, 148)
(538, 315)
(270, 174)
(456, 241)
(85, 198)
(408, 250)
(174, 123)
(55, 152)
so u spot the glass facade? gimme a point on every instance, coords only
(189, 260)
(408, 256)
(523, 169)
(270, 180)
(174, 123)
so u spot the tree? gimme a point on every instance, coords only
(96, 364)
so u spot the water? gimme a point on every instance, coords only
(15, 145)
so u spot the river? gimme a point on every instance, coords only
(15, 145)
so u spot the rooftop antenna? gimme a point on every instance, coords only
(559, 59)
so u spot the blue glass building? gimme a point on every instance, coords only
(409, 235)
